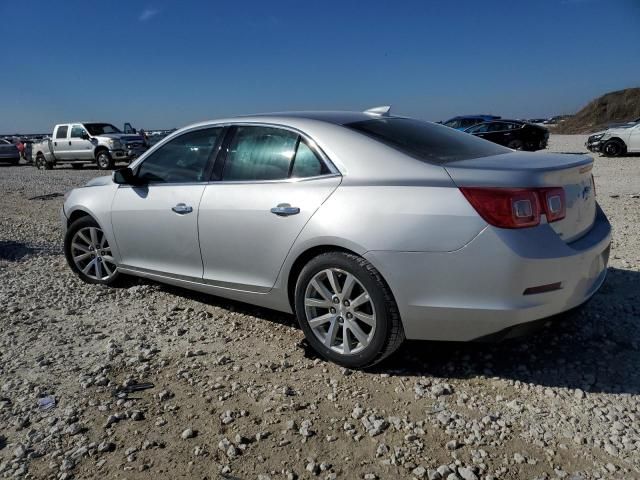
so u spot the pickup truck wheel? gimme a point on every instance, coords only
(42, 164)
(104, 160)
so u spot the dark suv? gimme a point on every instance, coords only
(513, 134)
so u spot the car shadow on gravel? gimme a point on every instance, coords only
(595, 348)
(14, 251)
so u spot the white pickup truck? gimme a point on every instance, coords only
(84, 143)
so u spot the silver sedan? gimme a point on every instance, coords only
(371, 228)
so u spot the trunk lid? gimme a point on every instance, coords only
(531, 170)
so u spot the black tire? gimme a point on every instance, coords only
(79, 224)
(516, 145)
(613, 148)
(104, 160)
(388, 334)
(77, 166)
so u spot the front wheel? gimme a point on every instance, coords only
(104, 160)
(613, 148)
(516, 145)
(347, 311)
(88, 252)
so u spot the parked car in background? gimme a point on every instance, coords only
(85, 143)
(371, 228)
(617, 141)
(9, 152)
(513, 134)
(463, 122)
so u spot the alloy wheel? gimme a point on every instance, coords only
(91, 254)
(103, 161)
(340, 311)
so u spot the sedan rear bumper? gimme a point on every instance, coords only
(489, 285)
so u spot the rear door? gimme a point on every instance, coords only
(271, 182)
(79, 148)
(60, 142)
(156, 224)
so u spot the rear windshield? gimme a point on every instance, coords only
(426, 141)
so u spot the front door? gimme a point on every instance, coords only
(79, 148)
(634, 139)
(272, 182)
(156, 224)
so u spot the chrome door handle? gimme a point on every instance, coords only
(182, 208)
(284, 210)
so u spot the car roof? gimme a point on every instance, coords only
(492, 117)
(296, 119)
(504, 120)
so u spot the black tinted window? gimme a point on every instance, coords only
(426, 141)
(306, 163)
(183, 159)
(62, 132)
(260, 153)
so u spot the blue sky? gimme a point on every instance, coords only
(163, 63)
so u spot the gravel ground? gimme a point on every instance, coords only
(238, 395)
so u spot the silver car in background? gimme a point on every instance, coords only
(371, 228)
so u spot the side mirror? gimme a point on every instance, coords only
(124, 176)
(85, 136)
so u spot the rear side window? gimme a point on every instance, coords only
(260, 153)
(62, 132)
(182, 160)
(306, 163)
(427, 142)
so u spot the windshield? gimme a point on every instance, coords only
(100, 128)
(427, 141)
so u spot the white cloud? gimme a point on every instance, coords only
(148, 14)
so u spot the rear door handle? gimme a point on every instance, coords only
(182, 209)
(284, 210)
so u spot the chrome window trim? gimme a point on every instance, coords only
(333, 170)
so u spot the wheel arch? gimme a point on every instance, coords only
(303, 257)
(98, 150)
(77, 214)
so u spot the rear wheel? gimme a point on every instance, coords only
(516, 145)
(347, 311)
(104, 160)
(42, 164)
(88, 252)
(613, 148)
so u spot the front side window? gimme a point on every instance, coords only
(77, 131)
(482, 128)
(182, 160)
(62, 132)
(260, 153)
(425, 141)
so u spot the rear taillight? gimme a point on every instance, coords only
(517, 207)
(555, 206)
